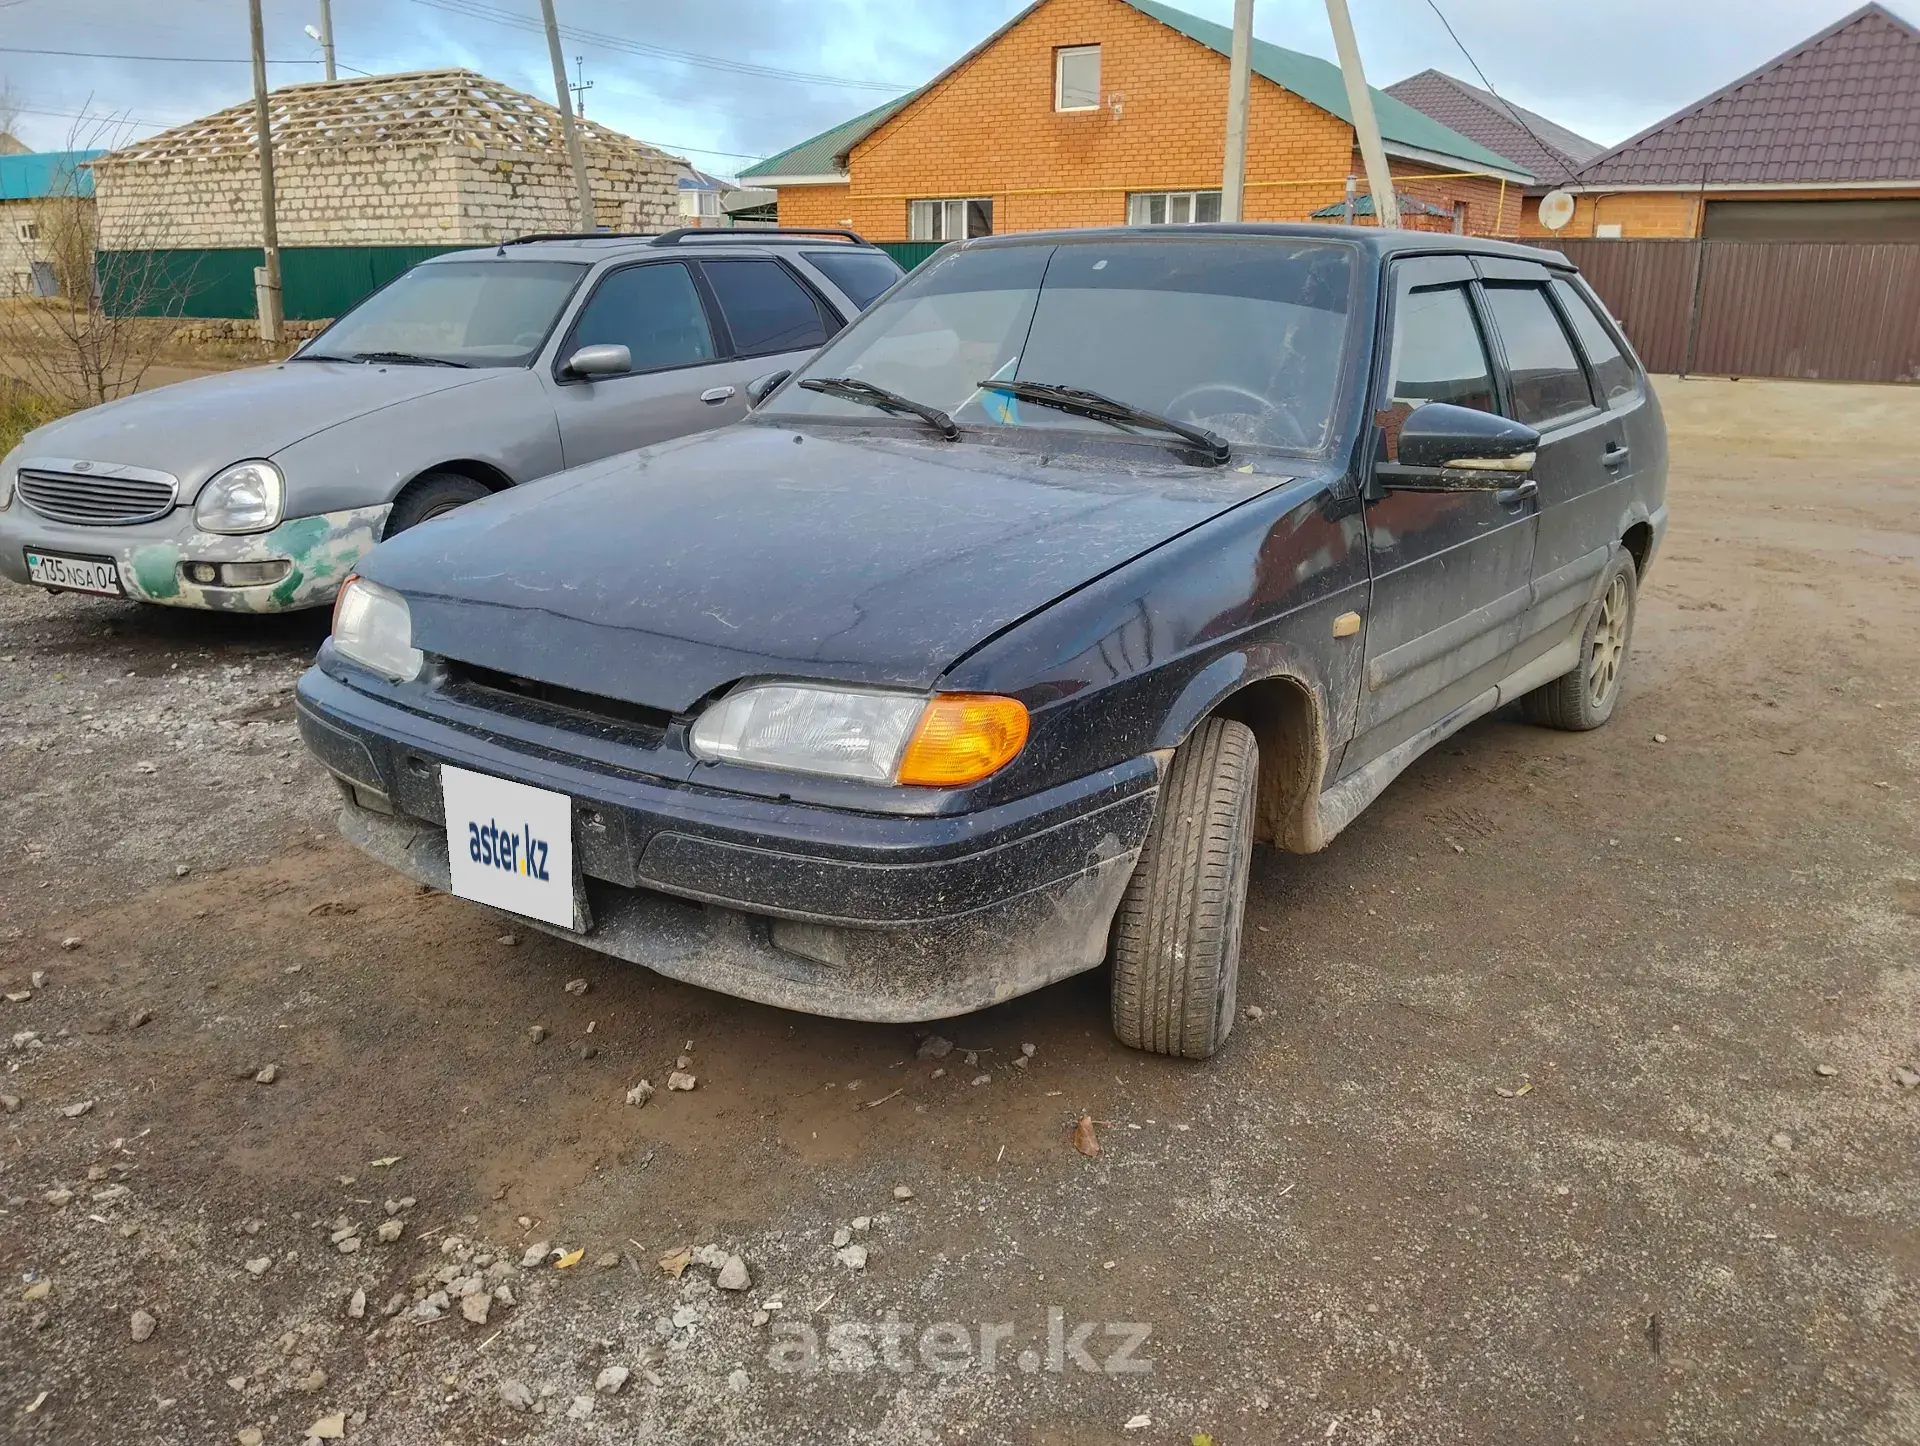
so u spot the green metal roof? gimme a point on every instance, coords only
(1320, 83)
(818, 156)
(37, 175)
(1314, 80)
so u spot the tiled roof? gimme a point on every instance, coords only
(1314, 80)
(37, 175)
(1529, 140)
(1842, 106)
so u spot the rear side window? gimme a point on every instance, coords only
(1613, 372)
(653, 311)
(1547, 380)
(766, 309)
(1437, 352)
(862, 275)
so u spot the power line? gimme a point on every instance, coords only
(1513, 113)
(115, 55)
(479, 10)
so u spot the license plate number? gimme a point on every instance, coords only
(77, 574)
(511, 846)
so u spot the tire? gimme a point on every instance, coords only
(430, 495)
(1585, 696)
(1176, 936)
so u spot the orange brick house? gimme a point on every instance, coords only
(1821, 143)
(1105, 112)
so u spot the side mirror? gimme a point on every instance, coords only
(604, 360)
(1440, 447)
(760, 388)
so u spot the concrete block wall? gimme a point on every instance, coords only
(443, 195)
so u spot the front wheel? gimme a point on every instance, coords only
(1584, 697)
(431, 495)
(1176, 937)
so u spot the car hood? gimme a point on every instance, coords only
(661, 575)
(195, 428)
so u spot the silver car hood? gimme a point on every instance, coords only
(195, 428)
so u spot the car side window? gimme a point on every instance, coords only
(767, 310)
(1612, 372)
(1547, 379)
(653, 311)
(1438, 355)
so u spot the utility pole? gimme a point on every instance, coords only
(266, 281)
(571, 131)
(1239, 67)
(581, 85)
(1386, 205)
(326, 36)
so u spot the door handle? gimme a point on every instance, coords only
(713, 396)
(1615, 455)
(1514, 496)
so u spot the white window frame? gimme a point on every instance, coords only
(1140, 207)
(28, 232)
(944, 219)
(1060, 58)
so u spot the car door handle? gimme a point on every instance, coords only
(713, 396)
(1514, 496)
(1616, 454)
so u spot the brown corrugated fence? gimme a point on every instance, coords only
(1828, 312)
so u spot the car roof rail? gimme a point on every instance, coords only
(538, 236)
(748, 235)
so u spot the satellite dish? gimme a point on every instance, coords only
(1556, 209)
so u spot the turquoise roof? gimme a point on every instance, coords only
(1321, 83)
(1316, 81)
(39, 174)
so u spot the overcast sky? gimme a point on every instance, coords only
(1606, 70)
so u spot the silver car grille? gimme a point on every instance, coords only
(101, 499)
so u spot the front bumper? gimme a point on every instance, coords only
(832, 911)
(151, 556)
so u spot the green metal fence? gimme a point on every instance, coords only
(909, 253)
(316, 282)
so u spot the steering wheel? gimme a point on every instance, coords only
(1264, 411)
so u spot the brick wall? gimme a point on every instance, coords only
(440, 196)
(990, 129)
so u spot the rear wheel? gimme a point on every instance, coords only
(1176, 937)
(431, 495)
(1584, 697)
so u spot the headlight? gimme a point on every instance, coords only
(945, 741)
(6, 486)
(247, 497)
(372, 626)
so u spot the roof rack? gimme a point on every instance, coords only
(751, 234)
(746, 235)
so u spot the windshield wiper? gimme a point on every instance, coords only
(1081, 403)
(852, 389)
(406, 358)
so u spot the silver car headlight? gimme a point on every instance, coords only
(372, 626)
(247, 497)
(7, 474)
(946, 741)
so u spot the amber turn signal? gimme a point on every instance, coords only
(962, 738)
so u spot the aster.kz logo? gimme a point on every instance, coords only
(494, 847)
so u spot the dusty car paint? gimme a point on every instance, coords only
(1122, 596)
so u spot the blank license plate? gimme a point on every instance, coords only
(79, 574)
(511, 846)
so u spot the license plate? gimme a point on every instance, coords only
(511, 846)
(77, 574)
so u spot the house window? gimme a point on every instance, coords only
(27, 231)
(949, 220)
(1076, 78)
(1172, 208)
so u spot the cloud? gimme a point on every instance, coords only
(1605, 71)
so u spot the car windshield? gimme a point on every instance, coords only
(1244, 338)
(472, 313)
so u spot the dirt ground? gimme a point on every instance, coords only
(1573, 1112)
